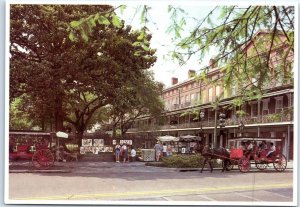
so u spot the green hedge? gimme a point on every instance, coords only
(183, 161)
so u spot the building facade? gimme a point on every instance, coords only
(271, 116)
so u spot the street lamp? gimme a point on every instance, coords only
(222, 120)
(201, 118)
(241, 126)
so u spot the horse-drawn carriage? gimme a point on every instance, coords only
(37, 146)
(244, 152)
(257, 154)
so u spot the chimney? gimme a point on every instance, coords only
(213, 63)
(174, 81)
(191, 73)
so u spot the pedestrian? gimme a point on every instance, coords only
(169, 150)
(158, 150)
(164, 150)
(118, 152)
(124, 153)
(132, 154)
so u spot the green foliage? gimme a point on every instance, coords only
(136, 99)
(17, 118)
(185, 161)
(263, 29)
(72, 79)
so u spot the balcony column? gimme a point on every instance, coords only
(169, 120)
(258, 131)
(289, 105)
(288, 143)
(258, 111)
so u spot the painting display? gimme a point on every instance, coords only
(87, 142)
(98, 142)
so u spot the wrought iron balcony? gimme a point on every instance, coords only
(284, 116)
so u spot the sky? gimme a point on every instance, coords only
(165, 68)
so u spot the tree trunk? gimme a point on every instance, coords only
(114, 131)
(79, 137)
(58, 116)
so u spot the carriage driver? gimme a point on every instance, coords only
(248, 147)
(271, 150)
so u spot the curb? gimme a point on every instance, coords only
(39, 171)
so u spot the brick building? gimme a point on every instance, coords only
(270, 116)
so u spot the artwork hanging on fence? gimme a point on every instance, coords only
(86, 142)
(98, 142)
(127, 142)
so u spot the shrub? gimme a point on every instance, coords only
(187, 161)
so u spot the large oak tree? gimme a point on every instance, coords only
(66, 78)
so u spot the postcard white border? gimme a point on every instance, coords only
(174, 2)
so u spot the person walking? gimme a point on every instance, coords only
(124, 153)
(118, 152)
(132, 154)
(164, 149)
(158, 150)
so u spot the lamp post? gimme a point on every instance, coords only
(241, 126)
(221, 124)
(201, 118)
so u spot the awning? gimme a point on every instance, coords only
(167, 138)
(62, 134)
(189, 138)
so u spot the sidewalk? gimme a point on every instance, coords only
(99, 167)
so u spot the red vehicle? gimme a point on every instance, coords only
(257, 155)
(32, 145)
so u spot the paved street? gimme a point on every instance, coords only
(100, 181)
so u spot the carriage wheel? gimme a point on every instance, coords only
(280, 162)
(260, 164)
(43, 159)
(244, 164)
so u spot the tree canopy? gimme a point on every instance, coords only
(141, 98)
(231, 33)
(66, 78)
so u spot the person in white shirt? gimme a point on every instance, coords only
(271, 150)
(132, 154)
(164, 150)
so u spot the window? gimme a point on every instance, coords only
(192, 97)
(279, 104)
(198, 96)
(177, 99)
(187, 98)
(210, 94)
(233, 90)
(254, 110)
(218, 91)
(265, 107)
